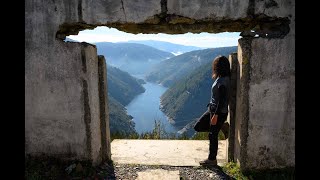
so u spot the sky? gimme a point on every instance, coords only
(205, 40)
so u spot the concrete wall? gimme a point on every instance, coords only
(62, 97)
(199, 9)
(63, 89)
(271, 128)
(62, 116)
(265, 123)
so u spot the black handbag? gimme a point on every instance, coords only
(203, 124)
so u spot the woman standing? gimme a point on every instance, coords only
(217, 112)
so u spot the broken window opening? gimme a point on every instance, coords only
(139, 55)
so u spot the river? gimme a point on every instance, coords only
(145, 109)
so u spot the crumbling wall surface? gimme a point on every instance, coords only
(104, 109)
(232, 103)
(53, 94)
(62, 105)
(171, 16)
(199, 9)
(230, 9)
(271, 127)
(241, 115)
(265, 125)
(265, 110)
(118, 11)
(62, 115)
(90, 95)
(274, 8)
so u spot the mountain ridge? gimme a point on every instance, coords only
(167, 46)
(172, 70)
(131, 57)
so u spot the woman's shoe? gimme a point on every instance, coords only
(208, 162)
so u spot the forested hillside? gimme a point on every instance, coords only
(120, 121)
(174, 69)
(122, 88)
(187, 99)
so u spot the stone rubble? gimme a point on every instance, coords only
(130, 172)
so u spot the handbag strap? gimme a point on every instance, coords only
(214, 113)
(216, 108)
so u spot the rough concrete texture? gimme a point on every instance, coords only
(213, 9)
(145, 16)
(62, 103)
(265, 124)
(164, 152)
(155, 174)
(104, 109)
(271, 127)
(240, 146)
(275, 8)
(62, 116)
(54, 118)
(232, 104)
(90, 97)
(127, 11)
(71, 88)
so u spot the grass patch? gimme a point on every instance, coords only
(233, 170)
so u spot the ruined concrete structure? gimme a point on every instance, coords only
(66, 113)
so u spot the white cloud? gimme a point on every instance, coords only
(103, 34)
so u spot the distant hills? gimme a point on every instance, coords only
(131, 57)
(172, 70)
(122, 86)
(176, 49)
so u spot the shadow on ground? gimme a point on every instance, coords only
(51, 168)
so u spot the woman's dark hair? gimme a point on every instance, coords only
(220, 67)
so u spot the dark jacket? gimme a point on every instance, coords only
(218, 103)
(220, 95)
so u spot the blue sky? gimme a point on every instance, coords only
(208, 40)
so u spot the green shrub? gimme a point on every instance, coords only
(233, 170)
(204, 136)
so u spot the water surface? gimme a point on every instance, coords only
(145, 109)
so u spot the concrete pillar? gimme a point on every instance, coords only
(104, 110)
(232, 103)
(241, 121)
(265, 110)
